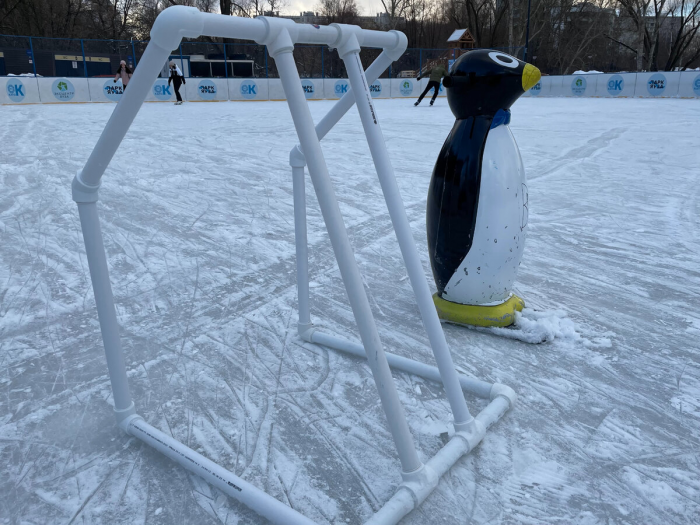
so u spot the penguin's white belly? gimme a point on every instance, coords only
(487, 273)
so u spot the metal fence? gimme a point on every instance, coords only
(65, 57)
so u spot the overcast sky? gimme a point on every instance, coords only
(367, 7)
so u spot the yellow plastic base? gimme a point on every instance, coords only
(499, 315)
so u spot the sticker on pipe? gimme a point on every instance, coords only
(15, 90)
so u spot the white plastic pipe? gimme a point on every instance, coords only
(341, 107)
(318, 170)
(300, 238)
(104, 300)
(123, 115)
(233, 27)
(239, 489)
(404, 235)
(475, 386)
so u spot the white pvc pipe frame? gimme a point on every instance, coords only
(280, 35)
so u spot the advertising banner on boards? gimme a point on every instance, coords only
(657, 84)
(105, 90)
(579, 85)
(248, 89)
(405, 88)
(63, 90)
(206, 89)
(334, 88)
(162, 92)
(19, 90)
(616, 85)
(540, 89)
(313, 88)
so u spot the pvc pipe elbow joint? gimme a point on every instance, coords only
(174, 23)
(399, 49)
(125, 417)
(499, 390)
(306, 331)
(82, 192)
(297, 158)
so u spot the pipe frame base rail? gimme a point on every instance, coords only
(279, 36)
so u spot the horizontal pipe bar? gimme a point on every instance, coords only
(233, 27)
(475, 386)
(239, 489)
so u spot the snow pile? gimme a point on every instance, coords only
(534, 326)
(591, 72)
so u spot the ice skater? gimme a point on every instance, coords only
(124, 72)
(177, 79)
(435, 77)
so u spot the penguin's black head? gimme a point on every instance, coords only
(483, 81)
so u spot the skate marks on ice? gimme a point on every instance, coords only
(204, 282)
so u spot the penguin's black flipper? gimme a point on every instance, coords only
(453, 197)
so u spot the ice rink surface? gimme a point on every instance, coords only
(197, 217)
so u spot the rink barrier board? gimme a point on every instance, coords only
(248, 89)
(405, 88)
(579, 85)
(657, 84)
(616, 85)
(19, 90)
(689, 84)
(57, 90)
(62, 90)
(206, 90)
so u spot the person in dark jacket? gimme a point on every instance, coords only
(124, 72)
(177, 79)
(435, 74)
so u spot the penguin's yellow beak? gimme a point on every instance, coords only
(531, 76)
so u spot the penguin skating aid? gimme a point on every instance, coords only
(418, 479)
(477, 207)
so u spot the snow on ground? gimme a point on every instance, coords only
(198, 225)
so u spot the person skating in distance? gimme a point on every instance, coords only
(435, 74)
(177, 79)
(124, 72)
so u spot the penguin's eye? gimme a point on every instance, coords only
(504, 60)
